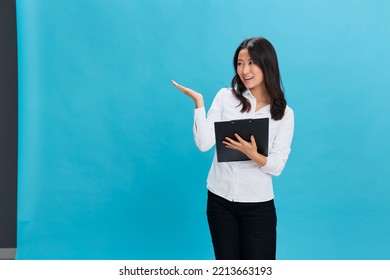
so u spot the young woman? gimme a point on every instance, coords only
(240, 206)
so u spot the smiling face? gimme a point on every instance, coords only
(249, 73)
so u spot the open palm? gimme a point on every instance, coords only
(196, 96)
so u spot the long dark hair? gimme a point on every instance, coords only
(263, 55)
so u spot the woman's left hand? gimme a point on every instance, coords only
(248, 148)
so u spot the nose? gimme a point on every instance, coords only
(245, 69)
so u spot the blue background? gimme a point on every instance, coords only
(108, 168)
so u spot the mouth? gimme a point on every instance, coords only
(247, 78)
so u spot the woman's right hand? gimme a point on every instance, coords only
(197, 97)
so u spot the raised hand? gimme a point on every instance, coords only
(195, 96)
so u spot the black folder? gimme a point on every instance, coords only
(259, 128)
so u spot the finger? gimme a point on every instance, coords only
(230, 146)
(253, 139)
(239, 138)
(180, 87)
(231, 141)
(175, 84)
(227, 143)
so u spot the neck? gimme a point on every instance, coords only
(261, 94)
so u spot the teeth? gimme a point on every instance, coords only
(247, 78)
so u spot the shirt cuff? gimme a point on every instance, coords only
(273, 166)
(200, 113)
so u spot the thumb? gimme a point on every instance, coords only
(253, 140)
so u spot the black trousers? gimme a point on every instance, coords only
(242, 231)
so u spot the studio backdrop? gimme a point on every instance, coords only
(108, 168)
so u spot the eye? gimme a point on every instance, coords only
(250, 62)
(239, 64)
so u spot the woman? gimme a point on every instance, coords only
(240, 205)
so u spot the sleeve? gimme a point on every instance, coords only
(281, 146)
(203, 129)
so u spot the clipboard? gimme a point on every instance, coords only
(259, 128)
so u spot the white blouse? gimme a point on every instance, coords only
(243, 181)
